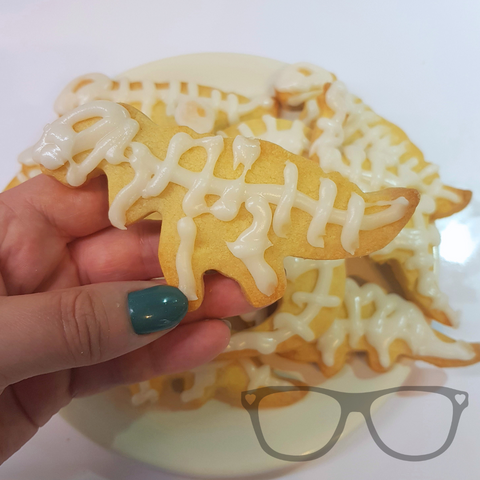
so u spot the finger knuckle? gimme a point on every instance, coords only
(83, 314)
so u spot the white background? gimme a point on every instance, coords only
(415, 62)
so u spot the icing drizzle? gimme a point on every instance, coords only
(110, 138)
(285, 324)
(303, 80)
(292, 139)
(393, 318)
(206, 375)
(189, 109)
(420, 239)
(147, 394)
(351, 116)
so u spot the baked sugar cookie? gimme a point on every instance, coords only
(412, 258)
(300, 82)
(238, 206)
(220, 380)
(312, 300)
(385, 327)
(174, 103)
(349, 138)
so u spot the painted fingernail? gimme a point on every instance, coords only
(156, 308)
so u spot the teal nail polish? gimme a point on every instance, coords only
(156, 308)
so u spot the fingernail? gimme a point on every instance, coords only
(156, 308)
(228, 323)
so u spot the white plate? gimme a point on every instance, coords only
(215, 440)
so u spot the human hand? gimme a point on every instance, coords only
(65, 275)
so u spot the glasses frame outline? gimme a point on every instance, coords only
(353, 402)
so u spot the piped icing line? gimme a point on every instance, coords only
(147, 394)
(353, 117)
(286, 324)
(195, 114)
(261, 376)
(323, 212)
(350, 232)
(21, 177)
(204, 376)
(394, 318)
(29, 169)
(189, 109)
(25, 157)
(292, 139)
(311, 112)
(250, 245)
(303, 80)
(34, 172)
(26, 173)
(187, 231)
(110, 139)
(283, 367)
(421, 239)
(283, 212)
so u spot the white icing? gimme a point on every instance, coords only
(21, 177)
(261, 376)
(178, 104)
(286, 325)
(195, 114)
(282, 216)
(256, 317)
(420, 239)
(245, 152)
(304, 80)
(312, 111)
(194, 202)
(250, 245)
(307, 373)
(34, 172)
(110, 139)
(96, 87)
(204, 376)
(25, 157)
(187, 230)
(292, 374)
(292, 139)
(323, 212)
(355, 212)
(29, 172)
(374, 143)
(146, 395)
(393, 318)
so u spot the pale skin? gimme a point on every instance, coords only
(65, 331)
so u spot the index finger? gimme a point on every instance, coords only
(46, 205)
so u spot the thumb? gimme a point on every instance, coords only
(46, 332)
